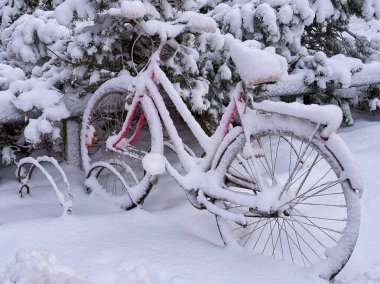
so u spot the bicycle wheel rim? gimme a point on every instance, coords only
(105, 116)
(282, 231)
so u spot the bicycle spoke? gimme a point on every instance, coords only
(271, 155)
(269, 237)
(317, 226)
(329, 194)
(305, 197)
(328, 185)
(308, 172)
(290, 155)
(287, 237)
(260, 233)
(322, 218)
(278, 237)
(249, 236)
(312, 216)
(305, 242)
(305, 172)
(240, 227)
(300, 157)
(303, 162)
(311, 234)
(320, 227)
(275, 159)
(265, 158)
(243, 183)
(326, 205)
(238, 172)
(298, 245)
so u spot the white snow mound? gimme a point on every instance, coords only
(133, 9)
(34, 266)
(154, 163)
(199, 22)
(257, 66)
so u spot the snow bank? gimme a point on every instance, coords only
(369, 277)
(35, 266)
(137, 275)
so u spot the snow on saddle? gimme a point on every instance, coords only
(256, 66)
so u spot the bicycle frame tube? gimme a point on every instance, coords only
(138, 128)
(208, 143)
(128, 122)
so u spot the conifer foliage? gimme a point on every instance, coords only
(51, 49)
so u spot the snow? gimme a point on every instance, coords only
(64, 13)
(285, 14)
(133, 9)
(198, 22)
(332, 115)
(345, 157)
(7, 155)
(374, 104)
(163, 29)
(165, 241)
(93, 184)
(268, 17)
(368, 29)
(32, 38)
(257, 66)
(44, 126)
(9, 74)
(154, 163)
(37, 266)
(343, 67)
(324, 9)
(24, 180)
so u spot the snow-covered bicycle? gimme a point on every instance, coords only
(281, 183)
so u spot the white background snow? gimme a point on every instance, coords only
(165, 241)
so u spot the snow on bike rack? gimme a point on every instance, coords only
(24, 178)
(92, 182)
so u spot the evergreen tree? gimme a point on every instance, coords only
(55, 48)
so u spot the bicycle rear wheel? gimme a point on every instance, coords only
(307, 213)
(104, 117)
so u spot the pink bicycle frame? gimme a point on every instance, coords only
(136, 132)
(128, 122)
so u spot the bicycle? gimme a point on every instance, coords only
(282, 183)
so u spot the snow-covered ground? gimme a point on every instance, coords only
(165, 241)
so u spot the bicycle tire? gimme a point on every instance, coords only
(323, 240)
(117, 191)
(105, 114)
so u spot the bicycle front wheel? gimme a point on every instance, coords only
(307, 212)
